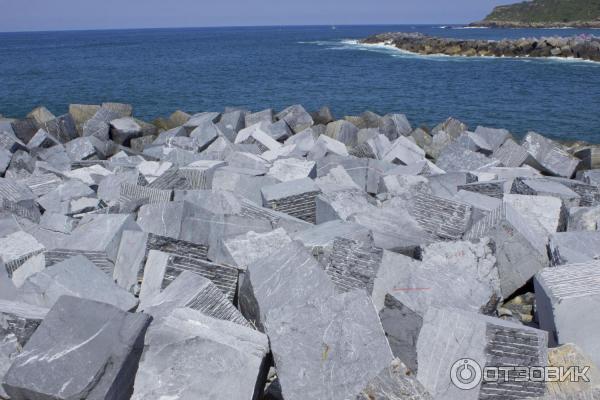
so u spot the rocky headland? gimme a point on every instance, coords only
(264, 255)
(579, 47)
(545, 14)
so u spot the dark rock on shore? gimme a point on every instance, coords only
(583, 47)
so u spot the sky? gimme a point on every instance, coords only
(41, 15)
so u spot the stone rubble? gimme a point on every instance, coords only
(290, 255)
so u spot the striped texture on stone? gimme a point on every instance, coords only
(176, 247)
(251, 210)
(512, 347)
(210, 301)
(170, 180)
(483, 226)
(98, 258)
(511, 154)
(31, 213)
(224, 277)
(362, 150)
(14, 192)
(42, 184)
(573, 280)
(444, 218)
(130, 192)
(196, 178)
(302, 206)
(354, 265)
(492, 188)
(15, 264)
(590, 194)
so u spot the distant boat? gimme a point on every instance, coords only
(333, 27)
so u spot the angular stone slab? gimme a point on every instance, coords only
(494, 188)
(447, 219)
(63, 128)
(295, 198)
(521, 253)
(20, 319)
(574, 247)
(233, 359)
(511, 154)
(133, 253)
(289, 169)
(548, 212)
(449, 335)
(22, 255)
(76, 276)
(193, 291)
(583, 218)
(296, 117)
(550, 155)
(310, 343)
(354, 265)
(546, 187)
(82, 349)
(567, 299)
(98, 258)
(130, 192)
(245, 249)
(299, 279)
(161, 269)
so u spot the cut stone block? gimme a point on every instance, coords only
(511, 154)
(41, 114)
(193, 291)
(20, 320)
(299, 279)
(455, 157)
(131, 192)
(494, 188)
(22, 256)
(325, 145)
(487, 341)
(296, 117)
(323, 116)
(343, 131)
(447, 219)
(546, 211)
(550, 155)
(77, 277)
(264, 115)
(546, 187)
(295, 198)
(289, 169)
(133, 253)
(82, 349)
(231, 123)
(310, 343)
(403, 151)
(590, 194)
(304, 141)
(161, 269)
(574, 247)
(567, 300)
(260, 135)
(583, 218)
(451, 126)
(24, 129)
(247, 163)
(245, 249)
(462, 274)
(520, 252)
(98, 258)
(81, 113)
(233, 358)
(354, 265)
(124, 129)
(495, 138)
(394, 125)
(62, 128)
(121, 109)
(482, 204)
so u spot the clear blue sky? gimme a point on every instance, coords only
(26, 15)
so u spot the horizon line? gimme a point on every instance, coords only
(224, 26)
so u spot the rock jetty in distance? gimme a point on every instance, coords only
(582, 47)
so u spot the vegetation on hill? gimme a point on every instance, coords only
(547, 11)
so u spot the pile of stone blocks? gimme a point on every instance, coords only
(288, 254)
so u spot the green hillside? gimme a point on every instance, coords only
(540, 11)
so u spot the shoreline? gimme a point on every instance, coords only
(576, 48)
(536, 25)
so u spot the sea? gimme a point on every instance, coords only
(207, 69)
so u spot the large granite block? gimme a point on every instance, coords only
(83, 349)
(289, 169)
(198, 293)
(63, 128)
(519, 250)
(567, 299)
(448, 335)
(447, 219)
(295, 198)
(574, 247)
(550, 155)
(327, 348)
(198, 357)
(245, 249)
(98, 258)
(22, 255)
(78, 277)
(296, 117)
(288, 277)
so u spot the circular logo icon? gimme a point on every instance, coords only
(466, 374)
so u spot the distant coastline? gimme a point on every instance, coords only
(536, 25)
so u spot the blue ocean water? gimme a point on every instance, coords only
(162, 70)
